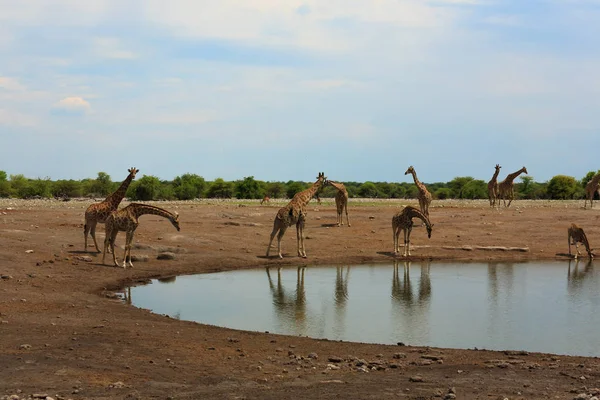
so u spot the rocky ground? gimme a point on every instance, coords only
(66, 335)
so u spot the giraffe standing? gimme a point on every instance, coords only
(294, 213)
(506, 187)
(98, 212)
(341, 201)
(127, 220)
(493, 187)
(590, 189)
(266, 200)
(403, 221)
(424, 195)
(576, 235)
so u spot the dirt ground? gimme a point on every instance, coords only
(65, 335)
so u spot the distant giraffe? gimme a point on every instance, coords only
(424, 195)
(506, 187)
(294, 213)
(493, 187)
(341, 201)
(127, 220)
(403, 221)
(575, 236)
(266, 200)
(98, 212)
(590, 190)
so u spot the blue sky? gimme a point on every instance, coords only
(283, 89)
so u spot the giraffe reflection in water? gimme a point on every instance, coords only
(577, 274)
(402, 292)
(290, 306)
(504, 272)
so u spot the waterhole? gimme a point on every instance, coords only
(538, 306)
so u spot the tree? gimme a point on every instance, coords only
(457, 184)
(443, 193)
(368, 189)
(4, 185)
(220, 189)
(275, 190)
(146, 188)
(474, 189)
(562, 187)
(102, 185)
(189, 186)
(66, 188)
(293, 187)
(248, 189)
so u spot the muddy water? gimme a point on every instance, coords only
(548, 307)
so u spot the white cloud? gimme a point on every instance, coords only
(108, 47)
(72, 106)
(14, 118)
(10, 84)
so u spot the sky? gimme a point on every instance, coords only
(284, 89)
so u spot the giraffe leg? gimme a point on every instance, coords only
(113, 239)
(279, 237)
(86, 230)
(128, 248)
(300, 237)
(347, 220)
(406, 242)
(106, 244)
(273, 233)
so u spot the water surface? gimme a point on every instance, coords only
(547, 307)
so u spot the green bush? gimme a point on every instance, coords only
(145, 189)
(66, 188)
(248, 189)
(102, 186)
(562, 187)
(189, 186)
(443, 193)
(293, 187)
(275, 190)
(220, 189)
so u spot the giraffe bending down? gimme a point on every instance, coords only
(590, 189)
(506, 187)
(98, 212)
(403, 220)
(294, 213)
(265, 199)
(575, 236)
(341, 201)
(493, 187)
(424, 195)
(127, 220)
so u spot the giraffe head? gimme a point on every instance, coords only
(410, 170)
(429, 229)
(175, 221)
(132, 171)
(322, 178)
(498, 167)
(525, 170)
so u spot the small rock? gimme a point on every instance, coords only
(28, 251)
(167, 255)
(314, 356)
(335, 359)
(84, 258)
(399, 355)
(332, 367)
(416, 378)
(25, 347)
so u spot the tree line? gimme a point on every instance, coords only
(191, 186)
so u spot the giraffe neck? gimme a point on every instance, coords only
(338, 185)
(115, 198)
(417, 181)
(143, 209)
(495, 177)
(414, 213)
(303, 198)
(596, 179)
(511, 177)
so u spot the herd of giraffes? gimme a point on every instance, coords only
(294, 213)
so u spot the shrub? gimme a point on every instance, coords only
(562, 187)
(147, 188)
(248, 189)
(220, 189)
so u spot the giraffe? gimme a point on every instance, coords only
(506, 187)
(98, 212)
(341, 201)
(127, 219)
(403, 220)
(424, 195)
(266, 200)
(294, 213)
(590, 189)
(493, 187)
(576, 235)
